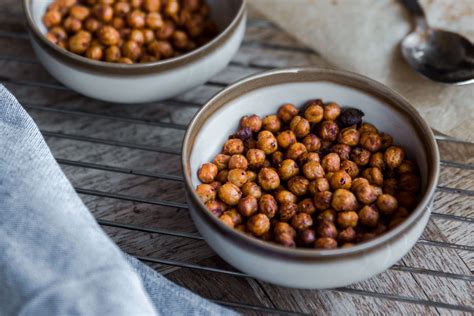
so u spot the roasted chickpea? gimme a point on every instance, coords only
(376, 160)
(108, 36)
(229, 193)
(216, 207)
(331, 162)
(251, 188)
(312, 142)
(95, 52)
(152, 5)
(180, 39)
(288, 168)
(52, 18)
(79, 12)
(268, 179)
(137, 36)
(222, 176)
(131, 49)
(350, 116)
(52, 38)
(238, 161)
(258, 224)
(368, 216)
(401, 212)
(332, 111)
(410, 182)
(394, 156)
(358, 182)
(322, 200)
(374, 175)
(367, 127)
(407, 199)
(390, 186)
(342, 150)
(286, 112)
(268, 205)
(277, 158)
(350, 167)
(125, 60)
(103, 12)
(121, 9)
(326, 228)
(285, 239)
(237, 177)
(215, 184)
(112, 54)
(314, 111)
(136, 19)
(306, 206)
(370, 141)
(206, 192)
(387, 141)
(233, 146)
(328, 215)
(248, 206)
(172, 9)
(407, 166)
(313, 170)
(118, 23)
(165, 32)
(161, 49)
(360, 156)
(207, 173)
(301, 221)
(299, 126)
(221, 161)
(344, 200)
(271, 123)
(284, 228)
(72, 25)
(307, 237)
(226, 219)
(346, 235)
(298, 185)
(285, 196)
(285, 139)
(287, 211)
(295, 151)
(366, 193)
(347, 219)
(325, 243)
(387, 204)
(349, 136)
(254, 122)
(307, 157)
(149, 36)
(154, 21)
(340, 180)
(318, 185)
(255, 158)
(267, 142)
(80, 42)
(328, 130)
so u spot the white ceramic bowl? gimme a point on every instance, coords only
(140, 82)
(263, 94)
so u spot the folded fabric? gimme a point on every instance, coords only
(54, 257)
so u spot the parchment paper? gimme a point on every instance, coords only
(364, 36)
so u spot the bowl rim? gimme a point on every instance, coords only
(138, 68)
(377, 89)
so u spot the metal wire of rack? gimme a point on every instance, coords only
(169, 177)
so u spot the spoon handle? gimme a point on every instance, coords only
(414, 7)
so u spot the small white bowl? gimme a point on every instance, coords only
(140, 82)
(262, 94)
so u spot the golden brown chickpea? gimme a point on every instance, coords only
(237, 177)
(255, 158)
(91, 24)
(410, 182)
(288, 168)
(216, 207)
(318, 185)
(328, 130)
(299, 126)
(271, 123)
(332, 111)
(286, 112)
(358, 182)
(407, 166)
(180, 39)
(301, 221)
(366, 193)
(268, 179)
(132, 50)
(161, 49)
(95, 52)
(137, 36)
(367, 127)
(235, 216)
(322, 200)
(368, 216)
(103, 12)
(79, 12)
(376, 160)
(314, 111)
(154, 21)
(221, 161)
(254, 122)
(252, 189)
(172, 9)
(258, 224)
(207, 173)
(325, 243)
(360, 156)
(326, 228)
(267, 142)
(307, 237)
(295, 151)
(387, 141)
(238, 161)
(307, 157)
(229, 193)
(349, 136)
(108, 36)
(387, 204)
(407, 199)
(121, 9)
(112, 54)
(80, 42)
(298, 185)
(166, 31)
(125, 60)
(340, 180)
(285, 196)
(251, 176)
(306, 206)
(346, 235)
(342, 150)
(390, 186)
(277, 158)
(72, 25)
(282, 228)
(313, 170)
(344, 200)
(370, 141)
(248, 206)
(328, 215)
(350, 167)
(286, 138)
(233, 146)
(136, 19)
(52, 18)
(149, 36)
(136, 4)
(312, 142)
(215, 184)
(287, 211)
(52, 38)
(331, 162)
(226, 219)
(394, 156)
(347, 219)
(206, 192)
(268, 205)
(329, 175)
(285, 239)
(152, 5)
(59, 32)
(374, 175)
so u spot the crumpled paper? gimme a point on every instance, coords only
(364, 36)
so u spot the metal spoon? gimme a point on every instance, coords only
(437, 54)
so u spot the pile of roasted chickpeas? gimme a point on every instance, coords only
(317, 177)
(129, 31)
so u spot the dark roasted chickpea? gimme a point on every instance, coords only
(387, 140)
(346, 235)
(410, 182)
(328, 130)
(394, 156)
(313, 170)
(344, 151)
(121, 9)
(407, 199)
(366, 193)
(248, 206)
(268, 179)
(237, 177)
(374, 175)
(306, 206)
(298, 185)
(226, 219)
(285, 196)
(332, 111)
(52, 18)
(165, 32)
(325, 243)
(301, 221)
(307, 157)
(322, 200)
(258, 224)
(344, 200)
(95, 52)
(72, 25)
(401, 212)
(152, 5)
(390, 186)
(328, 215)
(347, 219)
(268, 205)
(312, 142)
(254, 122)
(207, 173)
(407, 166)
(271, 123)
(233, 146)
(367, 127)
(360, 156)
(286, 112)
(131, 49)
(326, 228)
(387, 204)
(206, 192)
(368, 216)
(285, 239)
(318, 185)
(340, 180)
(137, 36)
(108, 36)
(395, 222)
(194, 24)
(267, 142)
(314, 111)
(136, 19)
(277, 158)
(79, 12)
(237, 161)
(295, 151)
(307, 237)
(216, 207)
(161, 49)
(300, 126)
(370, 141)
(287, 211)
(103, 12)
(286, 138)
(331, 162)
(376, 160)
(350, 116)
(349, 136)
(80, 42)
(350, 167)
(147, 59)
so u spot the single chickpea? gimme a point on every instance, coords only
(331, 162)
(254, 122)
(154, 21)
(237, 177)
(390, 186)
(360, 156)
(252, 189)
(59, 32)
(327, 215)
(350, 167)
(271, 123)
(80, 42)
(407, 199)
(165, 32)
(285, 239)
(52, 18)
(172, 9)
(367, 127)
(72, 25)
(332, 111)
(95, 52)
(131, 49)
(118, 23)
(125, 60)
(152, 5)
(277, 158)
(285, 196)
(216, 207)
(79, 12)
(229, 193)
(347, 219)
(255, 158)
(268, 205)
(108, 36)
(368, 216)
(314, 111)
(91, 24)
(103, 12)
(52, 38)
(325, 243)
(342, 150)
(180, 39)
(221, 161)
(267, 142)
(401, 212)
(137, 36)
(407, 166)
(340, 180)
(136, 19)
(306, 206)
(248, 206)
(318, 185)
(233, 146)
(328, 176)
(374, 175)
(121, 9)
(112, 54)
(312, 142)
(410, 182)
(226, 219)
(387, 204)
(326, 228)
(366, 193)
(238, 161)
(161, 49)
(206, 192)
(286, 138)
(328, 130)
(300, 126)
(313, 170)
(307, 157)
(370, 141)
(301, 221)
(349, 136)
(251, 176)
(344, 200)
(284, 227)
(376, 160)
(258, 224)
(322, 200)
(268, 179)
(207, 173)
(307, 237)
(149, 36)
(286, 112)
(288, 169)
(136, 4)
(358, 182)
(287, 211)
(215, 184)
(387, 141)
(295, 151)
(195, 25)
(298, 185)
(347, 235)
(394, 156)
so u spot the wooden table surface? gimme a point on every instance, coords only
(113, 155)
